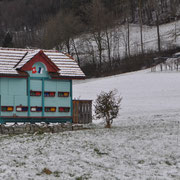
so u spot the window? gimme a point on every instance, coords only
(21, 108)
(63, 94)
(64, 109)
(7, 108)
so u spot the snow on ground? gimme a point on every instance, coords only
(144, 142)
(169, 34)
(143, 92)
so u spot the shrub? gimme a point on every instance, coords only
(107, 106)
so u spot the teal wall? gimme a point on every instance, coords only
(52, 86)
(56, 85)
(36, 85)
(43, 72)
(14, 92)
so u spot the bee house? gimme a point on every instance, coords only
(36, 85)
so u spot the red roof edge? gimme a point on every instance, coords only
(40, 57)
(48, 59)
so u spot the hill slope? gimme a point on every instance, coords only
(143, 92)
(169, 34)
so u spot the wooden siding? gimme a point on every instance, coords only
(13, 92)
(82, 111)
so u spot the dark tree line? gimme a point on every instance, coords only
(32, 15)
(63, 24)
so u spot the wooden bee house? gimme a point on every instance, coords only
(36, 85)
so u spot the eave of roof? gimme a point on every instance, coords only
(13, 75)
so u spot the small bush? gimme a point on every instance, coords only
(107, 106)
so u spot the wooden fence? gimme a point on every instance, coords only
(82, 111)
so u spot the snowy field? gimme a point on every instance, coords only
(144, 142)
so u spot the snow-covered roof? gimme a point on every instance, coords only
(13, 59)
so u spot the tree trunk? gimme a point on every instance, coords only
(109, 48)
(76, 51)
(141, 26)
(68, 45)
(128, 38)
(158, 32)
(108, 121)
(98, 40)
(108, 124)
(100, 55)
(175, 30)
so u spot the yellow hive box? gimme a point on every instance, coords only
(10, 109)
(53, 109)
(66, 94)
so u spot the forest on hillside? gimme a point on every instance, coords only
(59, 23)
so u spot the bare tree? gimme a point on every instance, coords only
(156, 7)
(96, 13)
(76, 50)
(128, 38)
(90, 50)
(109, 24)
(124, 39)
(158, 32)
(141, 24)
(127, 18)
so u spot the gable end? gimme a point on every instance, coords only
(40, 57)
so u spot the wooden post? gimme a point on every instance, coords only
(29, 99)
